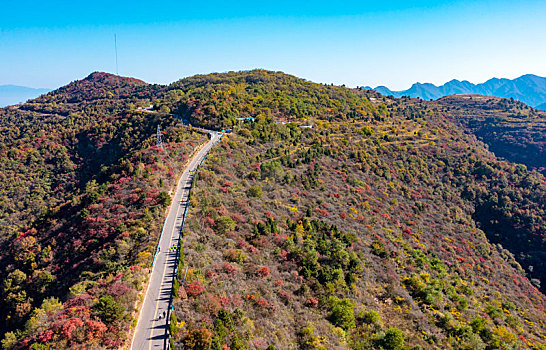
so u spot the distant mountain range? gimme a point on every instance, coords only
(529, 88)
(13, 94)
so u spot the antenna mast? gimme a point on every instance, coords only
(159, 140)
(116, 48)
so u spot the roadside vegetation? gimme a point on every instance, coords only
(84, 193)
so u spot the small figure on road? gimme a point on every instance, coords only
(164, 314)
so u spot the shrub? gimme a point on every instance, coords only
(194, 289)
(176, 286)
(9, 340)
(38, 346)
(173, 324)
(379, 249)
(200, 338)
(312, 302)
(263, 272)
(478, 324)
(342, 314)
(164, 199)
(493, 312)
(108, 309)
(369, 318)
(309, 341)
(227, 268)
(393, 339)
(224, 224)
(95, 329)
(272, 169)
(235, 255)
(255, 191)
(367, 130)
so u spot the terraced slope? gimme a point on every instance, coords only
(511, 129)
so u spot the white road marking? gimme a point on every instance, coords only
(152, 304)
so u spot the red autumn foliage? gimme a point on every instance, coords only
(323, 212)
(95, 329)
(312, 302)
(228, 268)
(263, 272)
(238, 218)
(45, 336)
(263, 303)
(209, 221)
(70, 326)
(285, 295)
(194, 289)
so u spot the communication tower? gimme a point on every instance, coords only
(116, 49)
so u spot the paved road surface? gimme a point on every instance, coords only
(150, 330)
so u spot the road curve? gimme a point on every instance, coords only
(150, 332)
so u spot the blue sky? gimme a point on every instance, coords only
(392, 43)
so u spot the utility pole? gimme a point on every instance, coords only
(159, 139)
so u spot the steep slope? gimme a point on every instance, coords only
(530, 89)
(516, 132)
(361, 232)
(511, 129)
(82, 200)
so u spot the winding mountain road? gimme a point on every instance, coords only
(151, 332)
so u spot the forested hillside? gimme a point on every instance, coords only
(511, 129)
(83, 192)
(330, 218)
(365, 231)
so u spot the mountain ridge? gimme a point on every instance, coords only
(528, 88)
